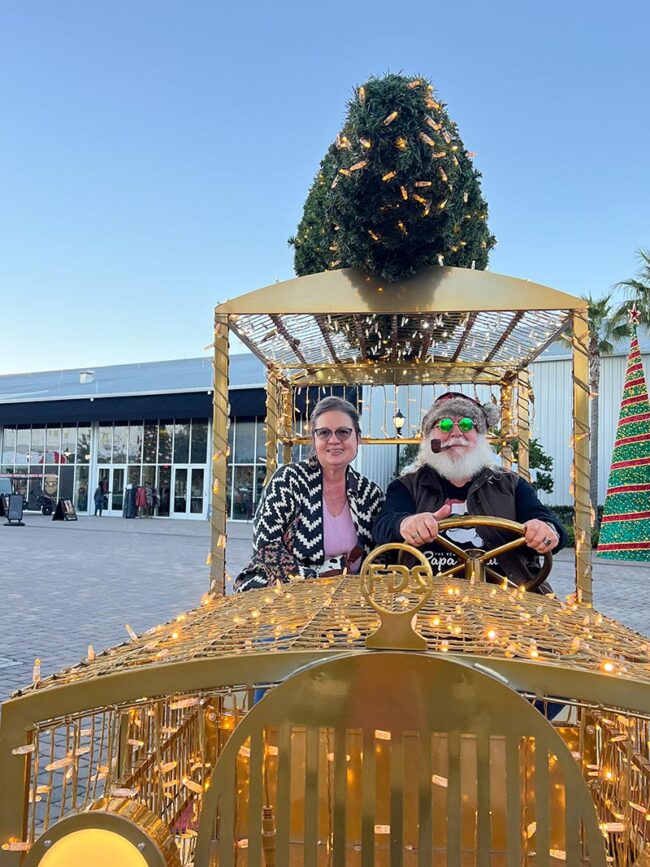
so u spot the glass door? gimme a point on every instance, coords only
(197, 493)
(179, 492)
(188, 492)
(112, 480)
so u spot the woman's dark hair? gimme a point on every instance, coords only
(336, 404)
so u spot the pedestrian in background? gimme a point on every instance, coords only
(98, 497)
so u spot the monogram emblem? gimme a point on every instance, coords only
(394, 588)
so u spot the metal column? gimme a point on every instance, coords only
(272, 422)
(523, 424)
(221, 411)
(580, 472)
(506, 424)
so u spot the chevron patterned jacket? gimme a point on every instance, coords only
(293, 499)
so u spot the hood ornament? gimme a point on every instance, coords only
(396, 592)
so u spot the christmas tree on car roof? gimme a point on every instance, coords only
(396, 192)
(625, 528)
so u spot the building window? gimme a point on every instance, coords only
(8, 449)
(69, 444)
(150, 442)
(199, 449)
(135, 443)
(53, 459)
(120, 442)
(170, 455)
(105, 444)
(165, 439)
(182, 442)
(246, 467)
(83, 445)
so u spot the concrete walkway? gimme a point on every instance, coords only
(67, 585)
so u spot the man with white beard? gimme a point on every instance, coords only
(457, 473)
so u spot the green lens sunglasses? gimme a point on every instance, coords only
(446, 425)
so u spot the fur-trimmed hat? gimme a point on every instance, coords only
(453, 404)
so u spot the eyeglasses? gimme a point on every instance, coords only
(446, 425)
(342, 433)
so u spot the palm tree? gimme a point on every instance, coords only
(605, 326)
(638, 289)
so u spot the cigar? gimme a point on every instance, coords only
(435, 446)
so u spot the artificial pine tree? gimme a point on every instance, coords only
(397, 191)
(625, 528)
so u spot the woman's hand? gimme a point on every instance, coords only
(540, 536)
(422, 528)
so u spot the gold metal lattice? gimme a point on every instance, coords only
(502, 339)
(459, 617)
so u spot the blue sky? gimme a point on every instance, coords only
(155, 155)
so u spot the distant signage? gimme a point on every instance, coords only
(14, 510)
(65, 511)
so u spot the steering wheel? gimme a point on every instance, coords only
(474, 560)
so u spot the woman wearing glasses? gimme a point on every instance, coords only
(315, 516)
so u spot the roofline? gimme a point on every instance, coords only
(621, 354)
(95, 368)
(436, 289)
(97, 396)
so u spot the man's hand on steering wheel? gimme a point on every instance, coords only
(540, 536)
(420, 529)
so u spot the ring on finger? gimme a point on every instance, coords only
(548, 542)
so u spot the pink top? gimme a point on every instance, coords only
(339, 535)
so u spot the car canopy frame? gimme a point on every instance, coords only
(445, 325)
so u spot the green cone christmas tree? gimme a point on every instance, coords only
(397, 191)
(625, 528)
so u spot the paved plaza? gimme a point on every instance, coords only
(67, 585)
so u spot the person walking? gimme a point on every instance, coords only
(98, 497)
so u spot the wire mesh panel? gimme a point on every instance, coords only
(157, 753)
(474, 619)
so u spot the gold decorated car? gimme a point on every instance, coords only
(391, 718)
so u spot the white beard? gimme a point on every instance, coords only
(464, 466)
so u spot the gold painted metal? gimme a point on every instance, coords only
(380, 441)
(414, 724)
(523, 424)
(291, 325)
(581, 462)
(396, 629)
(438, 288)
(151, 842)
(287, 424)
(220, 421)
(272, 422)
(224, 633)
(379, 374)
(538, 679)
(474, 562)
(506, 424)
